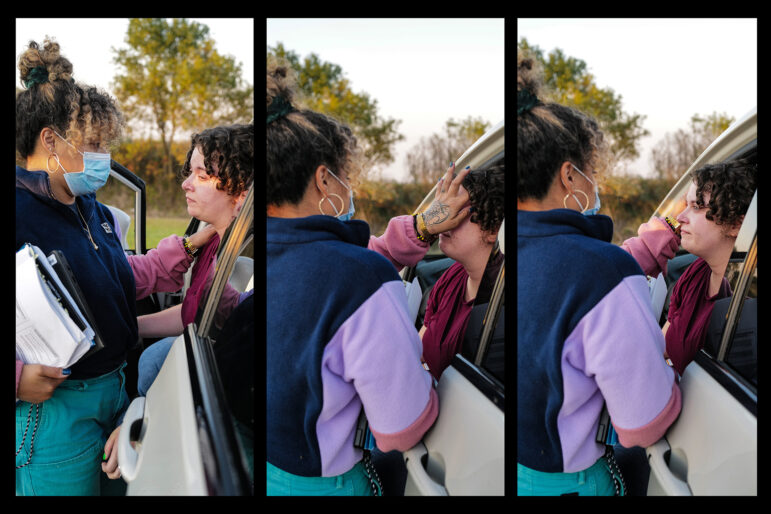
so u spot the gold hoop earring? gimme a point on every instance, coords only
(564, 200)
(342, 204)
(58, 164)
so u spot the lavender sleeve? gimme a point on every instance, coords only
(615, 356)
(399, 243)
(161, 269)
(374, 360)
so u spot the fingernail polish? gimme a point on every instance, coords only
(467, 167)
(104, 456)
(66, 371)
(451, 163)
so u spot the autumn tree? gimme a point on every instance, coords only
(428, 160)
(173, 78)
(673, 154)
(325, 89)
(568, 82)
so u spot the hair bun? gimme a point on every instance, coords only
(38, 66)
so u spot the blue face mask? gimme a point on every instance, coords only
(96, 171)
(589, 212)
(351, 209)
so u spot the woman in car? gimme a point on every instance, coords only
(585, 335)
(338, 335)
(714, 210)
(220, 169)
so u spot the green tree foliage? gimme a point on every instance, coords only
(569, 83)
(630, 200)
(173, 79)
(326, 90)
(145, 158)
(377, 201)
(674, 154)
(427, 161)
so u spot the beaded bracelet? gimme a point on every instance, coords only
(420, 229)
(188, 247)
(673, 223)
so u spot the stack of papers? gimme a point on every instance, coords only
(50, 327)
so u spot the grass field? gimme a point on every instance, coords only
(157, 229)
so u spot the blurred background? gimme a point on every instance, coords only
(662, 90)
(416, 93)
(171, 77)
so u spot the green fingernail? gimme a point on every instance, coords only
(104, 456)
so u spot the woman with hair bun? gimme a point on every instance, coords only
(63, 131)
(585, 333)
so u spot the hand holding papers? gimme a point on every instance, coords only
(51, 326)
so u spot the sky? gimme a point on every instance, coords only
(87, 43)
(420, 71)
(665, 69)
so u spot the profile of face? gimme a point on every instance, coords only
(70, 156)
(204, 200)
(699, 235)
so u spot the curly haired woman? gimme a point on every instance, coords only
(715, 204)
(63, 127)
(585, 334)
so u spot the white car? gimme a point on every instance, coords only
(463, 453)
(712, 449)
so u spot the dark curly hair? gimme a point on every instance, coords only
(231, 148)
(486, 192)
(730, 185)
(79, 113)
(548, 134)
(300, 141)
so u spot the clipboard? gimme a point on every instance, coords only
(62, 268)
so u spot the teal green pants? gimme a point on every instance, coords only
(593, 481)
(350, 483)
(72, 428)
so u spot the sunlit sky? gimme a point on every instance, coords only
(666, 69)
(420, 71)
(88, 43)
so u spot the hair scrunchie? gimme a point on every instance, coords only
(38, 75)
(526, 101)
(279, 107)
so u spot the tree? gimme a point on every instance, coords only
(427, 161)
(673, 154)
(173, 78)
(569, 83)
(326, 90)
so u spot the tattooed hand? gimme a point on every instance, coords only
(448, 209)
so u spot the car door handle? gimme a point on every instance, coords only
(413, 459)
(128, 457)
(672, 485)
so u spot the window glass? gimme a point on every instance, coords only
(743, 353)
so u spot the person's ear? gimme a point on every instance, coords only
(321, 176)
(566, 176)
(48, 139)
(734, 232)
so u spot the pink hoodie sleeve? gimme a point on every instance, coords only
(161, 269)
(399, 243)
(654, 246)
(19, 366)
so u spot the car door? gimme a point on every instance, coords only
(711, 449)
(193, 432)
(463, 452)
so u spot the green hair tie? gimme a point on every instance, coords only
(38, 75)
(526, 101)
(279, 107)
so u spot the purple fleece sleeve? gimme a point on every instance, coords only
(615, 355)
(374, 360)
(399, 243)
(654, 245)
(161, 269)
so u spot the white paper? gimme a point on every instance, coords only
(45, 333)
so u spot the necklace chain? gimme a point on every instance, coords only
(86, 225)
